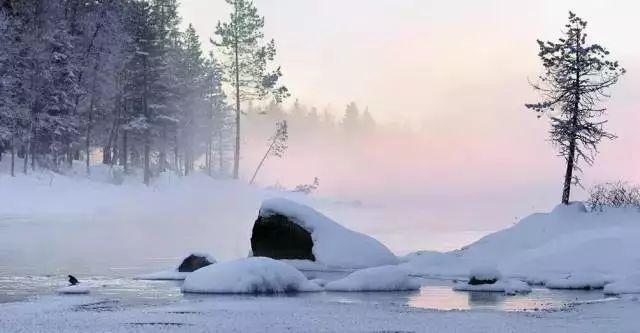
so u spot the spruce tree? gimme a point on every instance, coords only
(574, 84)
(245, 62)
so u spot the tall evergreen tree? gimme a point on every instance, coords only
(575, 82)
(245, 62)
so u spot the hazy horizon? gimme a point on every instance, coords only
(457, 73)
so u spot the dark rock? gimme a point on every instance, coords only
(73, 281)
(277, 236)
(193, 262)
(474, 282)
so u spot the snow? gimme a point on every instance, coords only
(485, 273)
(548, 247)
(627, 285)
(384, 278)
(507, 286)
(300, 314)
(74, 290)
(578, 281)
(333, 245)
(257, 275)
(168, 275)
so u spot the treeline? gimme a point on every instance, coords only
(112, 76)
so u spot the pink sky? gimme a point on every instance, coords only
(457, 72)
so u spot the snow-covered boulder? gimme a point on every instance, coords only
(256, 275)
(196, 261)
(288, 230)
(586, 281)
(507, 286)
(628, 285)
(384, 278)
(484, 275)
(192, 262)
(74, 290)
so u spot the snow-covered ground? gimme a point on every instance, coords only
(567, 248)
(54, 225)
(309, 313)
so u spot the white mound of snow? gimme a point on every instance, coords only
(333, 245)
(255, 275)
(384, 278)
(485, 273)
(578, 281)
(543, 246)
(628, 285)
(74, 290)
(507, 286)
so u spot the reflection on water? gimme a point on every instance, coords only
(440, 295)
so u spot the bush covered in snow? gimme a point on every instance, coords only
(257, 275)
(614, 195)
(384, 278)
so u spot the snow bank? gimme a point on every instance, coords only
(74, 290)
(628, 285)
(507, 286)
(255, 275)
(544, 246)
(578, 281)
(384, 278)
(333, 245)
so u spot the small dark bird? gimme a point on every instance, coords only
(73, 281)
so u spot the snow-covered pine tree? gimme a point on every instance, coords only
(245, 62)
(575, 81)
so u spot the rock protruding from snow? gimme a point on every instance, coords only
(195, 261)
(484, 275)
(74, 290)
(507, 286)
(332, 244)
(189, 264)
(257, 275)
(384, 278)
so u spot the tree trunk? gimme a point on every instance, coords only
(236, 156)
(124, 154)
(262, 161)
(147, 131)
(568, 176)
(163, 149)
(88, 138)
(13, 159)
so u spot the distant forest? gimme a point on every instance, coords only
(119, 83)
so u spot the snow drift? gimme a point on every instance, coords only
(332, 244)
(384, 278)
(568, 241)
(257, 275)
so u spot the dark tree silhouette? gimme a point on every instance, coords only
(575, 81)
